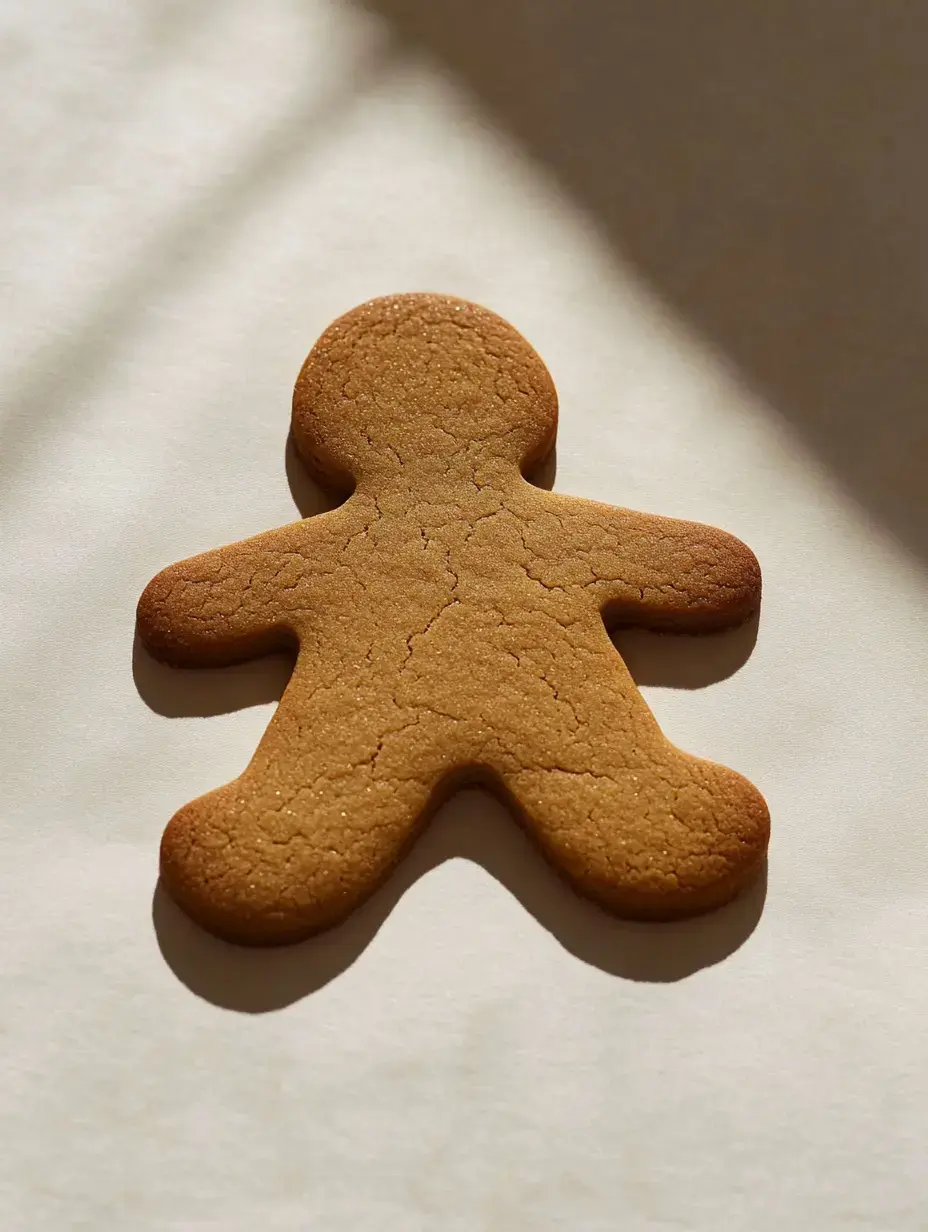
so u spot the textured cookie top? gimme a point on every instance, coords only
(450, 623)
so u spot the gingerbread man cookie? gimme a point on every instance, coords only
(450, 624)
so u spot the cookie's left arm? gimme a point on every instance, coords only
(661, 573)
(215, 608)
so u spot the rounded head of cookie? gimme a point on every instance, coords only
(427, 383)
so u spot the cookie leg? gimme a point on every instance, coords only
(262, 863)
(654, 841)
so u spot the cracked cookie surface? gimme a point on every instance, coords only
(450, 625)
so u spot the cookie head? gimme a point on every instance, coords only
(419, 381)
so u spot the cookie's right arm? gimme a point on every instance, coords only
(213, 609)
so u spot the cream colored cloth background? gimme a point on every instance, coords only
(728, 286)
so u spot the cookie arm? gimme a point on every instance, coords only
(661, 573)
(215, 608)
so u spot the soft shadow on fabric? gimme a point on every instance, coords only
(679, 661)
(472, 826)
(763, 167)
(204, 691)
(308, 496)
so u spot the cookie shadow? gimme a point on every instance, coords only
(204, 691)
(544, 472)
(685, 661)
(309, 496)
(472, 826)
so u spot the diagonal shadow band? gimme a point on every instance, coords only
(64, 368)
(762, 166)
(475, 827)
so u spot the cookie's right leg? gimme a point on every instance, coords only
(670, 836)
